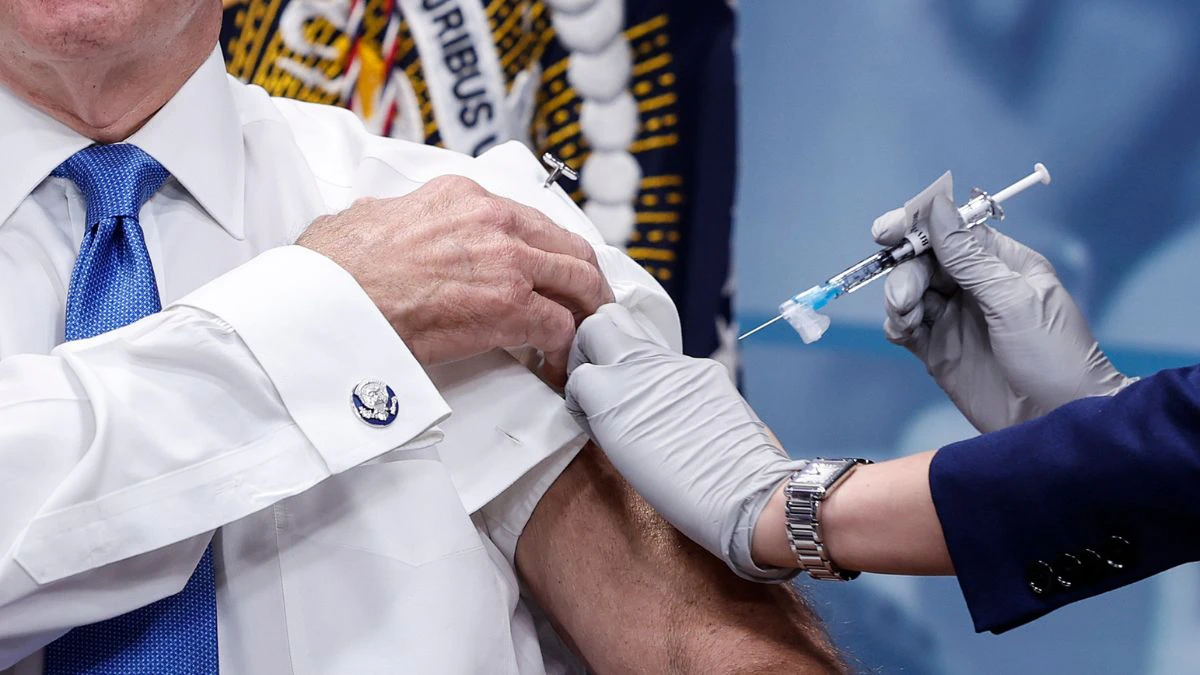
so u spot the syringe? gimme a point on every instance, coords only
(800, 309)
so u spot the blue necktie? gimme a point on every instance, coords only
(113, 285)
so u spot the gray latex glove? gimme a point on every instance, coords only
(679, 432)
(992, 323)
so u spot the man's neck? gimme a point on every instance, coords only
(105, 101)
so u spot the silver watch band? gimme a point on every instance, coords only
(802, 510)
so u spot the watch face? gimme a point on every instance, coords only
(820, 471)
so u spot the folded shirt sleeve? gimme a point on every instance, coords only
(506, 444)
(119, 455)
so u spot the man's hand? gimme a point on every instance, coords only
(459, 271)
(992, 323)
(679, 432)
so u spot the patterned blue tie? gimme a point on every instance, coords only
(113, 285)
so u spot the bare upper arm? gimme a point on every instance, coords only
(630, 594)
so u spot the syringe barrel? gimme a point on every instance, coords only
(865, 271)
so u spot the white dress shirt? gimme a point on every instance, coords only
(340, 547)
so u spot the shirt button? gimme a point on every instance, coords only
(1040, 577)
(375, 403)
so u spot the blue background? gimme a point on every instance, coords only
(848, 109)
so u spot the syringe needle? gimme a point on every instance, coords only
(752, 331)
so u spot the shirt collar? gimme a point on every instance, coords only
(196, 136)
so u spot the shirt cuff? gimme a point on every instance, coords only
(317, 335)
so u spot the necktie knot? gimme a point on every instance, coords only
(116, 180)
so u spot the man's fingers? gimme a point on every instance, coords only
(890, 228)
(550, 328)
(573, 283)
(536, 229)
(554, 368)
(568, 270)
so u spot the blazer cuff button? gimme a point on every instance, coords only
(1117, 552)
(1040, 576)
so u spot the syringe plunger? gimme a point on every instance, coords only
(1040, 175)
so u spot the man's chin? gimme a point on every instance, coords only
(79, 30)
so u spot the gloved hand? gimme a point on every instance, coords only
(679, 432)
(991, 322)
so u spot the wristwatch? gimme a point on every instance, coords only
(805, 491)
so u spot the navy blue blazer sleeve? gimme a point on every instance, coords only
(1098, 494)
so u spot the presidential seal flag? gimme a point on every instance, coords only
(637, 96)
